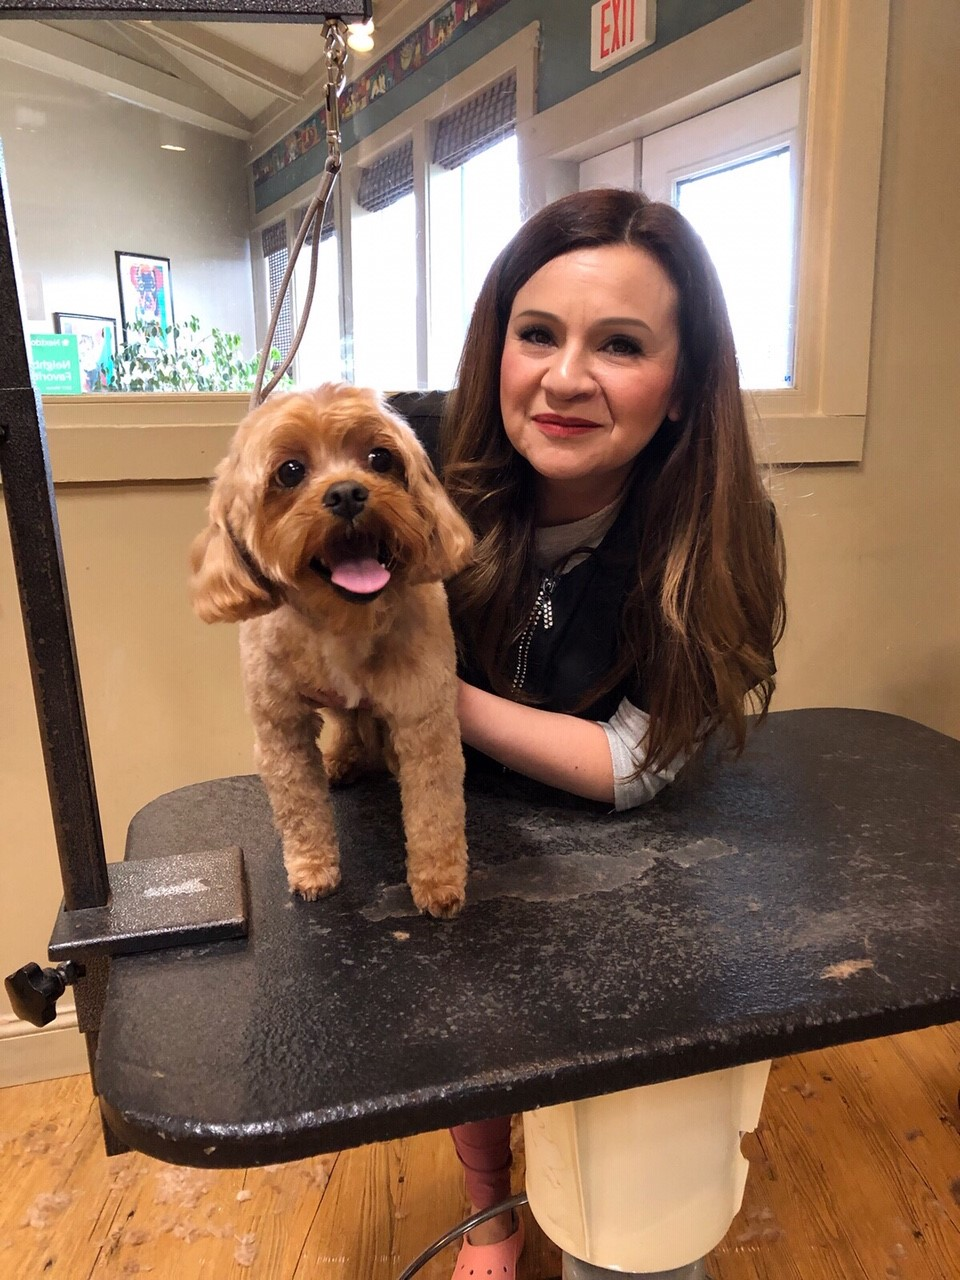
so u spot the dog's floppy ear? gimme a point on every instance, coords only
(223, 588)
(450, 542)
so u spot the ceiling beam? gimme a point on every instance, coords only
(47, 49)
(130, 37)
(223, 54)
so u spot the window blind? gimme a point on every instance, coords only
(387, 179)
(477, 124)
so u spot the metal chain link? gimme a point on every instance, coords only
(335, 52)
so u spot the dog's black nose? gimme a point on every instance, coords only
(345, 499)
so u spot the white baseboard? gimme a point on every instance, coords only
(29, 1054)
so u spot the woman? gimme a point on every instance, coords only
(627, 591)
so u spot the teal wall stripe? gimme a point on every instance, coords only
(564, 69)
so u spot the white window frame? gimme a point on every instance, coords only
(842, 56)
(618, 167)
(758, 124)
(822, 418)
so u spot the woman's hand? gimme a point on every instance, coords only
(561, 750)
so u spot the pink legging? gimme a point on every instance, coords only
(484, 1150)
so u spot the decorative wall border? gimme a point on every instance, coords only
(448, 24)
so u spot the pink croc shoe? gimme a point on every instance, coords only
(490, 1261)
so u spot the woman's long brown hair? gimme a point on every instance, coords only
(706, 607)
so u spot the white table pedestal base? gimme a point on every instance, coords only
(643, 1183)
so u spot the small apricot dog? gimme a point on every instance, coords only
(329, 539)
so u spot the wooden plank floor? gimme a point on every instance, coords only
(855, 1176)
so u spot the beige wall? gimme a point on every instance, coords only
(874, 551)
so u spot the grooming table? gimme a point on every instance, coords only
(805, 895)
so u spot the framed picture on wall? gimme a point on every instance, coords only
(96, 344)
(145, 297)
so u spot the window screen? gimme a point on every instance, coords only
(275, 254)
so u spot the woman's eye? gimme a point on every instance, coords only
(290, 473)
(380, 459)
(619, 345)
(537, 335)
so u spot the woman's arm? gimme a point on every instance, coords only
(561, 750)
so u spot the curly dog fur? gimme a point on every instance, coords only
(329, 538)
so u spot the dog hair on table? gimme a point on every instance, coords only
(329, 539)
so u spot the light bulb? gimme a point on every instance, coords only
(360, 36)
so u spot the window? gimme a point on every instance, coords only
(384, 274)
(474, 210)
(474, 199)
(319, 358)
(744, 215)
(732, 173)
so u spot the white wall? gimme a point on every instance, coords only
(87, 177)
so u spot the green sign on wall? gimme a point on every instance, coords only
(56, 363)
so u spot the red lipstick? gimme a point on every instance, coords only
(555, 424)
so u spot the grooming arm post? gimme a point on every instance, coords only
(35, 539)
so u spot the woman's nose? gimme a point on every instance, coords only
(568, 373)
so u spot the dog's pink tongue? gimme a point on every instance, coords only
(360, 576)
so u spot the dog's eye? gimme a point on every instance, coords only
(380, 459)
(290, 473)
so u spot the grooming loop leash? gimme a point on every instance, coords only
(335, 55)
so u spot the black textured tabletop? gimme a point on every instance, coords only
(805, 895)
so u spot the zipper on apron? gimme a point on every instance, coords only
(540, 614)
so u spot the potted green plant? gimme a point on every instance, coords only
(180, 357)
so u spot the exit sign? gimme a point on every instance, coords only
(619, 28)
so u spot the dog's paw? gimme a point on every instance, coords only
(344, 770)
(442, 901)
(312, 882)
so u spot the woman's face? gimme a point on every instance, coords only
(587, 373)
